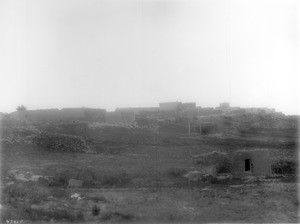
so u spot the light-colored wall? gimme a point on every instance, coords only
(56, 114)
(116, 117)
(137, 110)
(260, 159)
(169, 106)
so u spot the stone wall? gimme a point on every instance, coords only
(60, 142)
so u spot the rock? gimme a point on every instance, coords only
(51, 198)
(77, 196)
(73, 183)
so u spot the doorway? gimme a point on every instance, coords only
(247, 164)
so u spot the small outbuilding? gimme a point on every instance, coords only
(250, 162)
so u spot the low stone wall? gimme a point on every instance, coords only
(60, 142)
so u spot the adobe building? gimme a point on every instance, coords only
(65, 114)
(250, 162)
(169, 106)
(35, 115)
(188, 106)
(118, 117)
(138, 110)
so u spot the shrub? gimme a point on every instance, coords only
(116, 180)
(95, 210)
(59, 193)
(117, 215)
(284, 167)
(219, 160)
(96, 198)
(27, 191)
(61, 179)
(88, 177)
(35, 214)
(176, 172)
(223, 166)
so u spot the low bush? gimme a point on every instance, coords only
(118, 216)
(30, 212)
(27, 191)
(176, 172)
(115, 180)
(96, 198)
(59, 193)
(223, 167)
(284, 167)
(56, 214)
(88, 177)
(62, 177)
(95, 210)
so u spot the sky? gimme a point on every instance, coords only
(138, 53)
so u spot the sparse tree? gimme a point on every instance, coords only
(21, 108)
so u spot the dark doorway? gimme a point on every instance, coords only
(247, 165)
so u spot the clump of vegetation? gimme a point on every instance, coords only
(53, 213)
(115, 180)
(95, 210)
(62, 177)
(30, 201)
(219, 160)
(97, 198)
(59, 193)
(30, 192)
(88, 176)
(21, 108)
(176, 172)
(284, 167)
(118, 216)
(223, 166)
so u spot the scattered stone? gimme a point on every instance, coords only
(76, 195)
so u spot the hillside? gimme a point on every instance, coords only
(137, 173)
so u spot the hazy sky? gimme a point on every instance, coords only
(108, 54)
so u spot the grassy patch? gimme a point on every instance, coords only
(284, 167)
(53, 213)
(30, 192)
